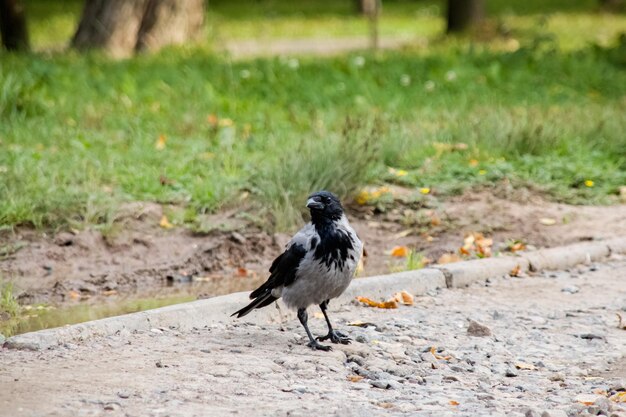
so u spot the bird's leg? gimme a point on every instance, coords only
(303, 317)
(334, 335)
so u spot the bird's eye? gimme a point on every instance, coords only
(326, 200)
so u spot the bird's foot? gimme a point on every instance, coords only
(316, 346)
(336, 337)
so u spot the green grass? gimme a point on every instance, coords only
(78, 133)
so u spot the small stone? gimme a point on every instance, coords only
(383, 383)
(531, 413)
(571, 289)
(554, 413)
(237, 238)
(159, 364)
(123, 394)
(510, 373)
(477, 329)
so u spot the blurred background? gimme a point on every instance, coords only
(185, 119)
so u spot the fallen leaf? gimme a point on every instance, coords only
(547, 221)
(385, 405)
(587, 399)
(165, 223)
(435, 220)
(242, 272)
(212, 119)
(516, 245)
(619, 397)
(354, 378)
(378, 304)
(404, 298)
(399, 251)
(74, 295)
(318, 315)
(454, 403)
(525, 366)
(109, 292)
(516, 272)
(433, 350)
(448, 258)
(160, 143)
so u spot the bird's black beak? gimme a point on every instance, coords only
(314, 204)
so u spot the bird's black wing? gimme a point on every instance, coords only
(282, 273)
(283, 269)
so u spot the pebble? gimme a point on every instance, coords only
(572, 289)
(477, 329)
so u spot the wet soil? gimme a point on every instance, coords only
(136, 258)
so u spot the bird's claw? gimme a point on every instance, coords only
(316, 346)
(336, 337)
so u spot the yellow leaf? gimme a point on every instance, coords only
(516, 272)
(448, 258)
(547, 221)
(454, 403)
(524, 365)
(225, 122)
(160, 143)
(165, 223)
(433, 350)
(371, 303)
(619, 397)
(399, 251)
(404, 298)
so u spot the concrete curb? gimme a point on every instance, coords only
(201, 313)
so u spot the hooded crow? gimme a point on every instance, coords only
(316, 266)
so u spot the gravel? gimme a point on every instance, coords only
(518, 347)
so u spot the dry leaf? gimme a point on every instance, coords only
(109, 292)
(433, 350)
(212, 119)
(385, 405)
(404, 298)
(516, 246)
(516, 272)
(165, 223)
(454, 403)
(354, 378)
(587, 399)
(524, 365)
(160, 143)
(242, 272)
(318, 315)
(547, 221)
(371, 303)
(399, 251)
(619, 397)
(74, 295)
(448, 258)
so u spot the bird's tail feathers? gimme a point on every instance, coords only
(262, 300)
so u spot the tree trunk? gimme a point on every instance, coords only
(13, 25)
(170, 22)
(463, 14)
(366, 7)
(122, 27)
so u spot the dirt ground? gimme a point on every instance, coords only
(138, 258)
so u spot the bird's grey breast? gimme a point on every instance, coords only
(328, 266)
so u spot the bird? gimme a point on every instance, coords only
(317, 266)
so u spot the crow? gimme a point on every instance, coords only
(316, 266)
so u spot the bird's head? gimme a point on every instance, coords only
(324, 205)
